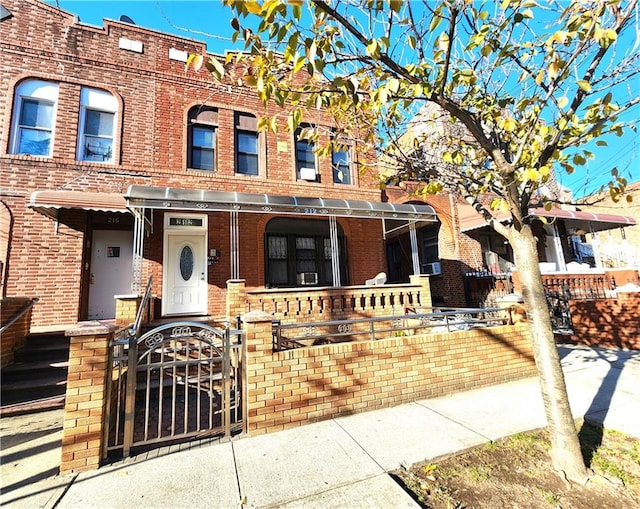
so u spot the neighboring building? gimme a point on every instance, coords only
(471, 255)
(116, 163)
(618, 247)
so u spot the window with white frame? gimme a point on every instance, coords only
(341, 162)
(247, 144)
(306, 168)
(97, 125)
(34, 118)
(203, 124)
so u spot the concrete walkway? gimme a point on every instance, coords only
(338, 463)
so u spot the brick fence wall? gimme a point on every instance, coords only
(16, 335)
(296, 387)
(612, 323)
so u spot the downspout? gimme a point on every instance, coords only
(414, 248)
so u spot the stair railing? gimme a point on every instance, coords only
(134, 331)
(19, 314)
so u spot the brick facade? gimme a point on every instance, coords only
(296, 387)
(51, 259)
(607, 323)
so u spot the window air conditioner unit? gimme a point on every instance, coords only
(308, 174)
(307, 278)
(433, 268)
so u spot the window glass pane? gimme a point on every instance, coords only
(202, 159)
(277, 247)
(34, 142)
(305, 155)
(98, 123)
(247, 164)
(36, 114)
(305, 243)
(340, 161)
(278, 272)
(97, 149)
(203, 137)
(186, 263)
(248, 142)
(305, 158)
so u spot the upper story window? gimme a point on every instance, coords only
(247, 143)
(341, 162)
(97, 125)
(203, 124)
(34, 118)
(306, 167)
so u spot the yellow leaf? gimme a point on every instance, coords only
(253, 7)
(508, 124)
(195, 60)
(584, 85)
(562, 102)
(531, 174)
(216, 67)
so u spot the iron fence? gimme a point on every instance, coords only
(414, 321)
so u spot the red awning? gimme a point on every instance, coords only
(49, 202)
(577, 219)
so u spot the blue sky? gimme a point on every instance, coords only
(208, 21)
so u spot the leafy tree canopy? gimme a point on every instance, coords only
(529, 85)
(478, 98)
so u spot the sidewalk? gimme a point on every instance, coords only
(343, 462)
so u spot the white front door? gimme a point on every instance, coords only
(185, 274)
(111, 255)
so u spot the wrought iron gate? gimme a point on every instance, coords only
(180, 381)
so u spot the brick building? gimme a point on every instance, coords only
(117, 163)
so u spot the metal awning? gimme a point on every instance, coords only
(170, 198)
(576, 219)
(49, 202)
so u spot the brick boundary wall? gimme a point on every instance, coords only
(609, 323)
(85, 403)
(15, 336)
(297, 387)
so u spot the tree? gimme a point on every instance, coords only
(526, 88)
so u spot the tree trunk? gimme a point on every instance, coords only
(565, 446)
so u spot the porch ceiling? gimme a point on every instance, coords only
(170, 198)
(49, 202)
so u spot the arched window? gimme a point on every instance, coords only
(201, 138)
(34, 118)
(298, 252)
(97, 125)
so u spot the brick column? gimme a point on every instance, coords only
(258, 344)
(236, 299)
(425, 290)
(83, 432)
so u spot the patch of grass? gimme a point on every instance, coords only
(517, 472)
(479, 473)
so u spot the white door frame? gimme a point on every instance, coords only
(192, 225)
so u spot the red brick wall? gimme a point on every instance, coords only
(296, 387)
(610, 323)
(155, 94)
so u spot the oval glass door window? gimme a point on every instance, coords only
(186, 263)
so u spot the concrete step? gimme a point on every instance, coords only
(37, 379)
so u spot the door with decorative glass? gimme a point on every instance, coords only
(185, 266)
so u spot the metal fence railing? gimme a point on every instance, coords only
(415, 321)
